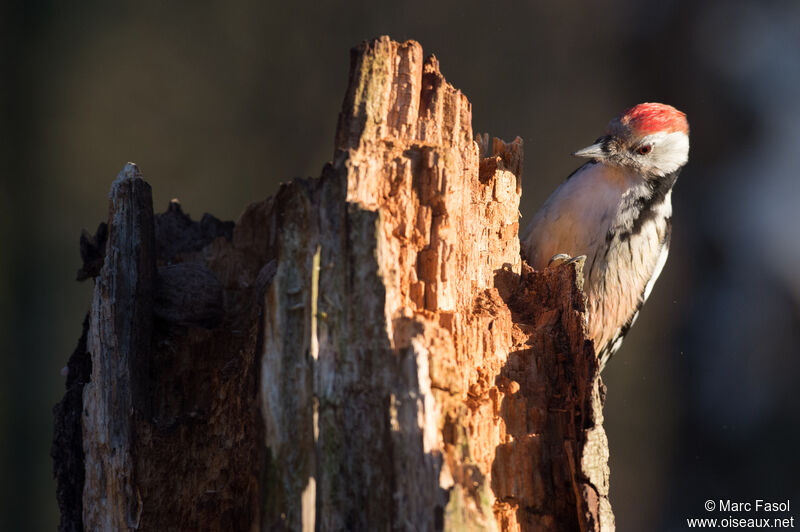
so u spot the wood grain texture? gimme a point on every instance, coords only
(119, 340)
(361, 351)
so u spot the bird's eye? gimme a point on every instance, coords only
(644, 150)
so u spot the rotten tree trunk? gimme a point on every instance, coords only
(362, 351)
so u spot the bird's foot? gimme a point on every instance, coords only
(580, 260)
(561, 258)
(578, 263)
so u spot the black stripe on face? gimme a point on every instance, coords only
(607, 144)
(646, 206)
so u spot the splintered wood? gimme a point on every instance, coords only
(371, 353)
(514, 387)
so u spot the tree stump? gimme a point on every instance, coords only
(362, 351)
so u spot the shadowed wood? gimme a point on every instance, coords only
(363, 351)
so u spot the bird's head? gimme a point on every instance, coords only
(650, 138)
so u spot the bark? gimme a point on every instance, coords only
(362, 351)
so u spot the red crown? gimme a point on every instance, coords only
(647, 118)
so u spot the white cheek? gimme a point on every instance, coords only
(670, 151)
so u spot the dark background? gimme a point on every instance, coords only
(219, 102)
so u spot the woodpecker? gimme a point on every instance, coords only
(616, 210)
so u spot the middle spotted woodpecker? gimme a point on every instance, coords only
(616, 210)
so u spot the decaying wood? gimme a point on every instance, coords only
(362, 351)
(120, 330)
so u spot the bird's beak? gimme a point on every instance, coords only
(594, 151)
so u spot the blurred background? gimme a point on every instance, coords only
(219, 101)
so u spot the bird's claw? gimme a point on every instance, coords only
(561, 258)
(580, 259)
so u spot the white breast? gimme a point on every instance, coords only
(576, 218)
(619, 274)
